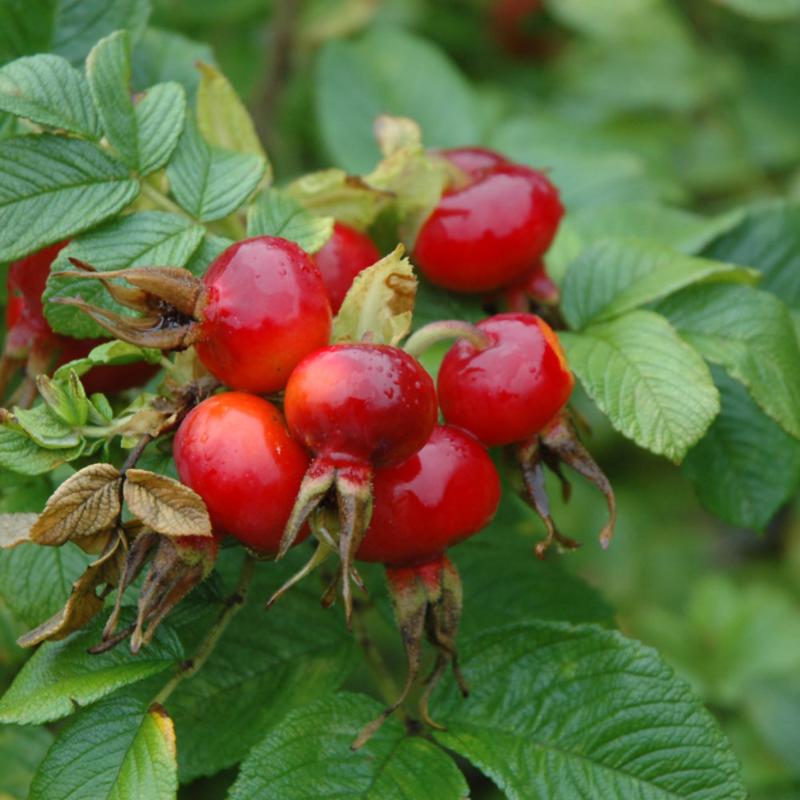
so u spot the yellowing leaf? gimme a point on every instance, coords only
(86, 503)
(380, 303)
(165, 505)
(223, 119)
(15, 529)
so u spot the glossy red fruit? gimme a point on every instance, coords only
(436, 498)
(361, 403)
(510, 390)
(489, 233)
(265, 308)
(537, 287)
(342, 257)
(475, 161)
(234, 450)
(28, 330)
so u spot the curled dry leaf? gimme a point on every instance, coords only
(84, 603)
(165, 505)
(85, 504)
(380, 303)
(15, 529)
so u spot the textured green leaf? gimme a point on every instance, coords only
(61, 676)
(208, 182)
(27, 27)
(745, 467)
(275, 213)
(160, 115)
(35, 581)
(308, 756)
(769, 241)
(557, 711)
(52, 188)
(46, 428)
(115, 749)
(82, 23)
(47, 90)
(750, 333)
(389, 72)
(618, 275)
(21, 750)
(265, 664)
(146, 239)
(764, 9)
(19, 453)
(206, 253)
(654, 388)
(108, 69)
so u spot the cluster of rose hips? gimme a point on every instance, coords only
(356, 455)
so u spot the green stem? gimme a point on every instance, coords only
(161, 201)
(441, 331)
(206, 648)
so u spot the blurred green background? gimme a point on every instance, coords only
(687, 102)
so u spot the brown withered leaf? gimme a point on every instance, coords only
(85, 504)
(84, 603)
(15, 529)
(165, 505)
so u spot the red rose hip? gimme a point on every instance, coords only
(234, 450)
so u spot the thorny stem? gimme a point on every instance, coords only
(230, 608)
(382, 675)
(441, 331)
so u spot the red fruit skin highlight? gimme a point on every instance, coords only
(434, 499)
(340, 260)
(510, 390)
(266, 308)
(235, 451)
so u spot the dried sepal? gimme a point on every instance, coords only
(165, 505)
(86, 503)
(15, 529)
(427, 601)
(85, 602)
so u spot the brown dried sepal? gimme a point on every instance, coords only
(87, 503)
(427, 601)
(169, 299)
(15, 529)
(86, 600)
(165, 505)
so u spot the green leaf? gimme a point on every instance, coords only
(745, 467)
(52, 188)
(110, 354)
(118, 748)
(275, 213)
(208, 182)
(81, 23)
(35, 581)
(21, 750)
(19, 453)
(146, 239)
(27, 27)
(160, 115)
(48, 91)
(751, 334)
(558, 711)
(774, 707)
(108, 69)
(389, 72)
(618, 275)
(266, 664)
(222, 118)
(46, 428)
(211, 247)
(308, 755)
(768, 240)
(61, 676)
(654, 388)
(768, 10)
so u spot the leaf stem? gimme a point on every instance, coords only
(160, 200)
(231, 606)
(441, 331)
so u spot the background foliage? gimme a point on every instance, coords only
(671, 129)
